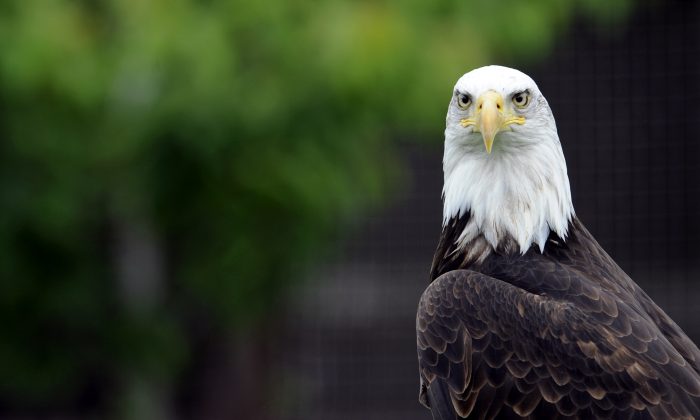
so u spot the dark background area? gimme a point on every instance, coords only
(626, 103)
(227, 209)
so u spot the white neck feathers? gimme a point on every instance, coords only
(520, 191)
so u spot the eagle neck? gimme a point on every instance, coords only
(517, 194)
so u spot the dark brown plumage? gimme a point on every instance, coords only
(559, 334)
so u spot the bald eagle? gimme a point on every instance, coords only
(526, 316)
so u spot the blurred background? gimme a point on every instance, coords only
(218, 209)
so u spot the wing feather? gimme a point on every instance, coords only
(569, 348)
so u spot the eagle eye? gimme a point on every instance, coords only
(463, 100)
(521, 99)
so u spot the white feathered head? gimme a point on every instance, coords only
(503, 160)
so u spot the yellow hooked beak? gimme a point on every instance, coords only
(491, 117)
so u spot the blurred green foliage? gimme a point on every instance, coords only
(238, 132)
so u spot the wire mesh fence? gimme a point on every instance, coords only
(626, 104)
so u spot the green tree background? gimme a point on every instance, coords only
(165, 164)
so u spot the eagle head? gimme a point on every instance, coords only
(503, 163)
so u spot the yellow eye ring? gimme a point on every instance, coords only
(521, 99)
(463, 100)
